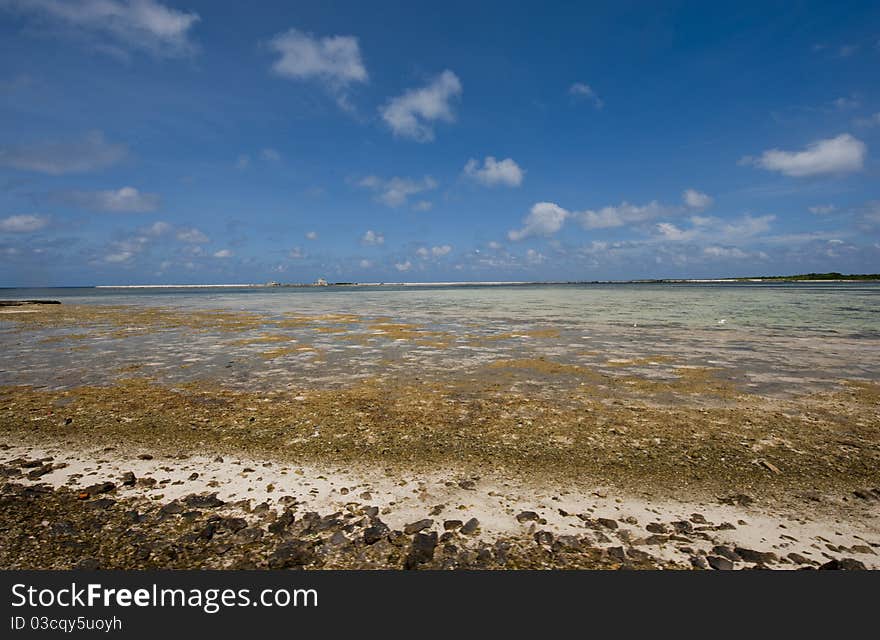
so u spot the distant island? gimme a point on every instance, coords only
(321, 282)
(819, 276)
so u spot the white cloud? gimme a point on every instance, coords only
(296, 253)
(841, 154)
(365, 264)
(412, 114)
(844, 103)
(495, 246)
(243, 161)
(725, 252)
(396, 191)
(270, 155)
(534, 257)
(583, 90)
(223, 253)
(157, 229)
(626, 213)
(333, 59)
(422, 205)
(312, 235)
(696, 200)
(671, 232)
(495, 172)
(120, 256)
(544, 219)
(117, 26)
(193, 236)
(372, 238)
(124, 200)
(23, 223)
(403, 266)
(77, 155)
(822, 209)
(436, 252)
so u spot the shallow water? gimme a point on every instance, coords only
(764, 336)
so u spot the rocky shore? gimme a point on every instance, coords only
(83, 512)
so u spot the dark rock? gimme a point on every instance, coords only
(101, 487)
(699, 518)
(726, 552)
(567, 543)
(415, 527)
(194, 476)
(758, 557)
(657, 539)
(544, 538)
(617, 553)
(843, 564)
(683, 526)
(527, 516)
(249, 534)
(452, 525)
(608, 523)
(718, 563)
(234, 524)
(292, 554)
(422, 549)
(128, 479)
(737, 500)
(145, 456)
(470, 526)
(799, 559)
(282, 522)
(656, 527)
(101, 503)
(203, 501)
(171, 508)
(699, 562)
(376, 532)
(87, 564)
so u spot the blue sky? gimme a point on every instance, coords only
(187, 141)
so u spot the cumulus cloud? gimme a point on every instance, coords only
(822, 209)
(585, 91)
(223, 253)
(403, 266)
(90, 152)
(296, 253)
(124, 200)
(696, 200)
(626, 213)
(725, 252)
(372, 238)
(544, 219)
(436, 252)
(23, 223)
(397, 190)
(312, 235)
(495, 172)
(116, 27)
(334, 61)
(192, 236)
(413, 114)
(842, 154)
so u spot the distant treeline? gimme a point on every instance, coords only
(821, 276)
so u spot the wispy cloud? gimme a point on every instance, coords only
(372, 238)
(124, 200)
(413, 114)
(583, 91)
(23, 223)
(90, 152)
(396, 191)
(117, 27)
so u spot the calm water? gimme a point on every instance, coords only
(765, 336)
(832, 308)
